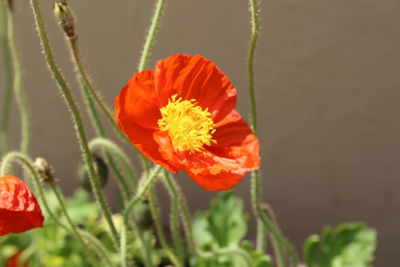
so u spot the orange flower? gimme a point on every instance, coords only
(14, 261)
(19, 209)
(181, 115)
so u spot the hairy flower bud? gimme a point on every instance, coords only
(65, 18)
(101, 169)
(142, 215)
(44, 169)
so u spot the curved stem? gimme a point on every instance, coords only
(86, 89)
(17, 82)
(155, 22)
(27, 163)
(8, 73)
(176, 193)
(119, 154)
(255, 176)
(255, 28)
(112, 148)
(174, 217)
(76, 119)
(91, 94)
(128, 209)
(271, 227)
(159, 229)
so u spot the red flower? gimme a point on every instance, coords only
(14, 261)
(19, 209)
(181, 115)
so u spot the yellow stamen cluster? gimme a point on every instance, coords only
(189, 126)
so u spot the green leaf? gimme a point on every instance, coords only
(348, 245)
(310, 250)
(224, 225)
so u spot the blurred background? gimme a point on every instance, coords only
(327, 80)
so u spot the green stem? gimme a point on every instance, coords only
(17, 82)
(73, 108)
(175, 189)
(160, 231)
(85, 84)
(128, 209)
(91, 94)
(269, 213)
(155, 22)
(115, 150)
(27, 163)
(256, 186)
(271, 227)
(86, 89)
(174, 217)
(255, 28)
(8, 87)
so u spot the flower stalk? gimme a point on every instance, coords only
(17, 80)
(8, 84)
(77, 120)
(128, 209)
(155, 22)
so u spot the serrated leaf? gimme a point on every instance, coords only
(224, 225)
(348, 245)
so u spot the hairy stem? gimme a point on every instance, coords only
(155, 22)
(128, 209)
(115, 150)
(174, 217)
(86, 87)
(160, 231)
(77, 120)
(17, 82)
(255, 176)
(8, 84)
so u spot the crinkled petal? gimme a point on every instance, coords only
(218, 182)
(236, 140)
(19, 209)
(195, 77)
(137, 101)
(144, 140)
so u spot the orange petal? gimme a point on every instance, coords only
(143, 139)
(235, 140)
(137, 101)
(195, 77)
(219, 182)
(19, 209)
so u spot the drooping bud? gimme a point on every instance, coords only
(101, 169)
(45, 170)
(142, 215)
(10, 4)
(65, 18)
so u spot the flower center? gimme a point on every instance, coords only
(189, 126)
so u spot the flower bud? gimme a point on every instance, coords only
(44, 169)
(101, 169)
(65, 18)
(142, 215)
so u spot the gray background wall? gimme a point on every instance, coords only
(327, 89)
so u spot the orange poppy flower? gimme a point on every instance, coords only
(19, 209)
(181, 116)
